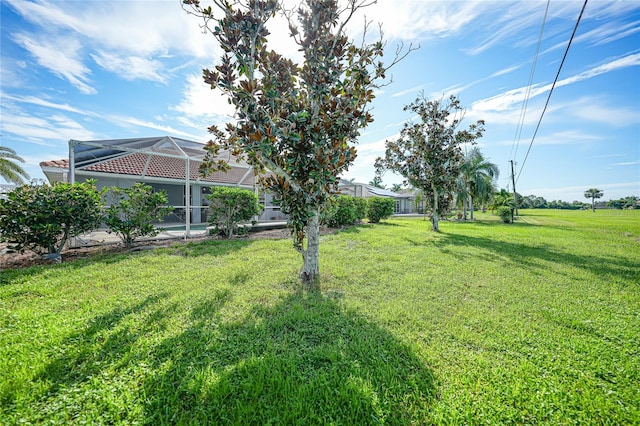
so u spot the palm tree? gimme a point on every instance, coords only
(462, 194)
(377, 182)
(478, 175)
(593, 193)
(396, 187)
(10, 171)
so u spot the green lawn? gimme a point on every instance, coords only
(532, 323)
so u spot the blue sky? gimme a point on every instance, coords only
(119, 69)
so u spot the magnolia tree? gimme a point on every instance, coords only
(428, 153)
(298, 121)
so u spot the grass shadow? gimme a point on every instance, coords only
(527, 255)
(185, 249)
(83, 355)
(305, 360)
(390, 224)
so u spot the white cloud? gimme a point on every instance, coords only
(595, 109)
(45, 103)
(414, 90)
(132, 121)
(628, 163)
(203, 105)
(510, 98)
(130, 67)
(567, 137)
(44, 130)
(61, 55)
(142, 28)
(418, 19)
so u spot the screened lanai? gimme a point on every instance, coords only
(165, 163)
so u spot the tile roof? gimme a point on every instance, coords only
(147, 164)
(63, 164)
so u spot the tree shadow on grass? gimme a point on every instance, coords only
(188, 249)
(527, 255)
(105, 342)
(305, 360)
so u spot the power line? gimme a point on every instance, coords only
(523, 110)
(552, 87)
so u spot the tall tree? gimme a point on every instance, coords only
(593, 193)
(9, 170)
(478, 174)
(300, 122)
(427, 153)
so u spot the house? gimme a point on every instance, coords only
(165, 163)
(405, 199)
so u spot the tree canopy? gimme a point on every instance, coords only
(593, 193)
(477, 177)
(298, 122)
(428, 152)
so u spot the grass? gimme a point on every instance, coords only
(535, 322)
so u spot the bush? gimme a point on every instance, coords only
(230, 206)
(360, 208)
(341, 212)
(505, 213)
(42, 218)
(379, 208)
(132, 211)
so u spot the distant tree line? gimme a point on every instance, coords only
(536, 202)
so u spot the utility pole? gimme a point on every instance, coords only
(513, 181)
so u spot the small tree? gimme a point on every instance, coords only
(42, 218)
(133, 210)
(505, 213)
(229, 207)
(428, 154)
(301, 122)
(593, 193)
(380, 208)
(503, 205)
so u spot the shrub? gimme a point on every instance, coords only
(342, 211)
(505, 213)
(360, 208)
(229, 207)
(42, 218)
(132, 211)
(380, 208)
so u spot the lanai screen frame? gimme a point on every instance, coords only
(110, 148)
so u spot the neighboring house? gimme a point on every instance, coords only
(405, 199)
(165, 163)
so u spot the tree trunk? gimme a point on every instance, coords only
(464, 209)
(310, 257)
(471, 208)
(434, 216)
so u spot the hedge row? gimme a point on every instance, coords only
(346, 210)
